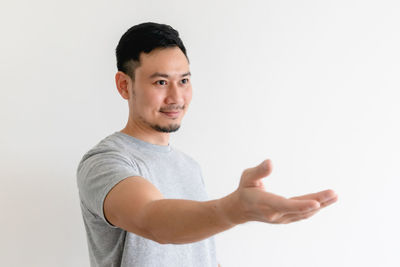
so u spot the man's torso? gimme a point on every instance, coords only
(174, 173)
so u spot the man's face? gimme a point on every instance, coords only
(162, 90)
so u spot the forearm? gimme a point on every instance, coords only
(178, 221)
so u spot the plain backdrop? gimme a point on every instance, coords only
(312, 85)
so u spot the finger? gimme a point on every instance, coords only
(294, 206)
(261, 170)
(329, 202)
(251, 176)
(289, 218)
(321, 197)
(292, 217)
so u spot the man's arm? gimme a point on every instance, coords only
(137, 206)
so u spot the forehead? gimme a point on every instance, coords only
(170, 60)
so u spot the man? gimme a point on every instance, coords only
(144, 202)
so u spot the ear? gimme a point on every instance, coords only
(123, 83)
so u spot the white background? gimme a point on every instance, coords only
(312, 85)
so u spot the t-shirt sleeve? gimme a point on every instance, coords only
(98, 173)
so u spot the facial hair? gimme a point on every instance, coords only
(169, 129)
(164, 129)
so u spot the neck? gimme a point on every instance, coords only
(146, 134)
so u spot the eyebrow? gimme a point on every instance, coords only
(158, 74)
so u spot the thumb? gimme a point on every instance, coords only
(251, 177)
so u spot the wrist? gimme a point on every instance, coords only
(230, 208)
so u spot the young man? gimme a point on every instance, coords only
(144, 202)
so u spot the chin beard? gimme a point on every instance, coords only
(169, 129)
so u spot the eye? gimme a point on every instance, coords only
(185, 80)
(161, 82)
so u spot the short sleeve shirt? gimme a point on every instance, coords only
(175, 174)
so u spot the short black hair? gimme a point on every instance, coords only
(144, 37)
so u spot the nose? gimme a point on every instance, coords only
(175, 95)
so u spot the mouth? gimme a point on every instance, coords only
(171, 114)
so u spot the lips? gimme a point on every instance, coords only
(171, 114)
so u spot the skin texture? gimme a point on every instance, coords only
(137, 206)
(147, 97)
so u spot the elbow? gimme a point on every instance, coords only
(161, 239)
(152, 231)
(171, 238)
(146, 233)
(164, 238)
(157, 230)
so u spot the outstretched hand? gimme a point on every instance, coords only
(255, 204)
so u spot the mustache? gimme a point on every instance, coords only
(170, 108)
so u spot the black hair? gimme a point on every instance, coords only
(144, 37)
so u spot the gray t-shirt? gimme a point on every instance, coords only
(174, 173)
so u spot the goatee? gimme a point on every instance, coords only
(169, 129)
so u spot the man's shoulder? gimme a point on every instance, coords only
(113, 144)
(112, 141)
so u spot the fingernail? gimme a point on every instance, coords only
(315, 206)
(265, 164)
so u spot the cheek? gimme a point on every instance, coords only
(152, 101)
(188, 96)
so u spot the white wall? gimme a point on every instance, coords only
(312, 85)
